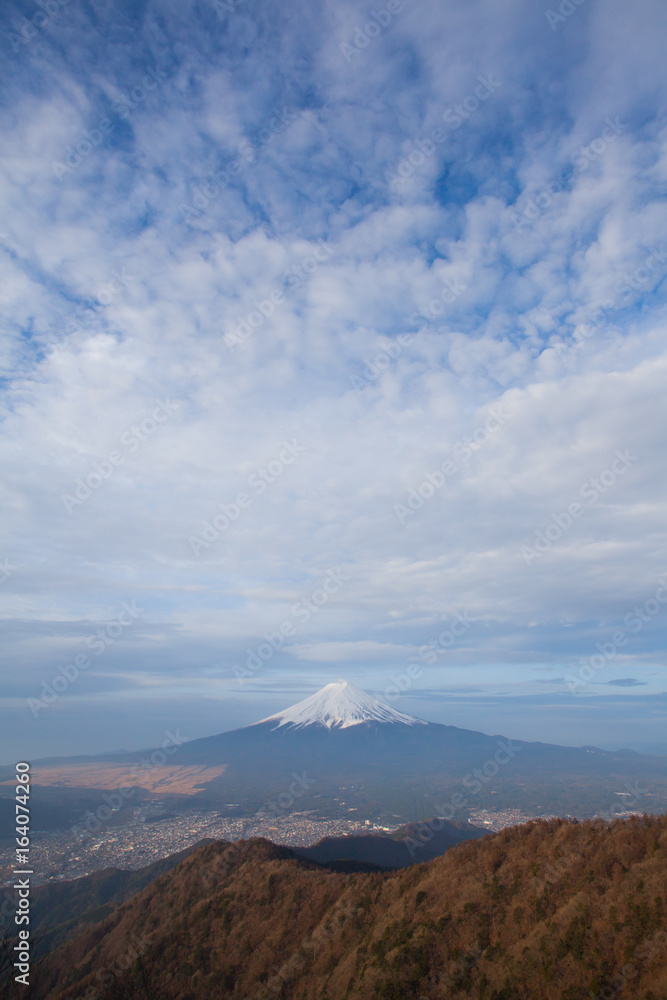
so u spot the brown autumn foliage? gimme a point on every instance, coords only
(553, 910)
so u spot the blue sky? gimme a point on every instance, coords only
(336, 329)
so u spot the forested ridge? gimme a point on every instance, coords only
(553, 909)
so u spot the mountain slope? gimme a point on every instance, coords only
(60, 910)
(552, 910)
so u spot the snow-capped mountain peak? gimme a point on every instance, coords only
(339, 706)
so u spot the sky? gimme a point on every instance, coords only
(333, 346)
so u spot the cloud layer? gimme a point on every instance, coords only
(285, 296)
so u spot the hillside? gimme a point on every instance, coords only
(554, 910)
(399, 849)
(59, 910)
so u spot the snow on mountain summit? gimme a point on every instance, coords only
(339, 706)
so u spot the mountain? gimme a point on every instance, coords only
(399, 849)
(339, 706)
(653, 749)
(551, 910)
(60, 910)
(342, 752)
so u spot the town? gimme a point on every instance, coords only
(153, 834)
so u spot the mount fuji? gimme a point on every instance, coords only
(359, 755)
(339, 706)
(343, 753)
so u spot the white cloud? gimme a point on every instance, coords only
(193, 278)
